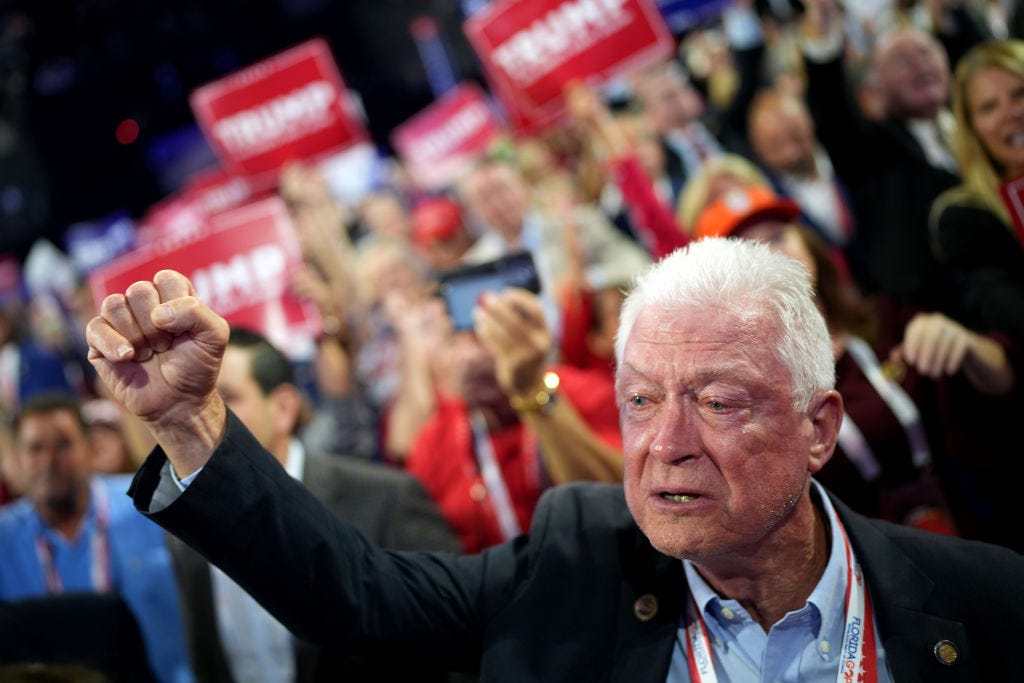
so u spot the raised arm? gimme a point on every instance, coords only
(158, 348)
(511, 326)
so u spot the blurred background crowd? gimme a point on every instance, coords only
(869, 140)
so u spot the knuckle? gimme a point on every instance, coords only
(112, 305)
(140, 288)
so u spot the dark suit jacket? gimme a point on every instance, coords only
(891, 187)
(986, 263)
(558, 604)
(387, 505)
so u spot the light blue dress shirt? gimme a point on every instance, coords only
(140, 571)
(804, 646)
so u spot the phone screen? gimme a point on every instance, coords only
(462, 288)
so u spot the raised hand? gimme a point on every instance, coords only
(511, 326)
(937, 346)
(158, 349)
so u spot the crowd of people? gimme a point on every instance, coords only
(871, 152)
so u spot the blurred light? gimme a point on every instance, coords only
(127, 131)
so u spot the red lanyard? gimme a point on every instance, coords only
(99, 563)
(858, 656)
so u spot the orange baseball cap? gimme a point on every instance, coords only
(739, 208)
(435, 219)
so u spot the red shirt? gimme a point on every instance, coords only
(443, 457)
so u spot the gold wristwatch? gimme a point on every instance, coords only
(540, 400)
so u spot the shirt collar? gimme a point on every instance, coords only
(296, 460)
(827, 598)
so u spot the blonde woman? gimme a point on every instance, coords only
(971, 227)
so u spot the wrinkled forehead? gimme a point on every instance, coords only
(701, 342)
(743, 322)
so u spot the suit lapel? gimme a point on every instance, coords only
(650, 603)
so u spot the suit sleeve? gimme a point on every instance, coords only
(853, 142)
(316, 574)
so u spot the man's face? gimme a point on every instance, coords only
(242, 394)
(669, 101)
(468, 369)
(782, 136)
(386, 217)
(913, 74)
(716, 456)
(53, 459)
(497, 195)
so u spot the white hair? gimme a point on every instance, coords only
(746, 277)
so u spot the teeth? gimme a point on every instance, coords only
(678, 498)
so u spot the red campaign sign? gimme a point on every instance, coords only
(240, 263)
(532, 48)
(291, 106)
(1013, 196)
(175, 217)
(440, 142)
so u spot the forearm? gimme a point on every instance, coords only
(570, 448)
(987, 367)
(650, 216)
(189, 443)
(413, 405)
(309, 568)
(333, 368)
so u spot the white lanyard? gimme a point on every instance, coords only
(99, 561)
(858, 658)
(857, 450)
(490, 472)
(901, 405)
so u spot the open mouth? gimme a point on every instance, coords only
(680, 497)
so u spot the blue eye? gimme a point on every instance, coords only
(638, 401)
(716, 405)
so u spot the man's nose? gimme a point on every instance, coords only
(676, 437)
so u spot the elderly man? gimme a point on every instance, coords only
(722, 557)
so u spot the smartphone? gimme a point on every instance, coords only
(461, 288)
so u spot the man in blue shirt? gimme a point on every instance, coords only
(73, 533)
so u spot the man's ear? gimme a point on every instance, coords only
(286, 403)
(826, 415)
